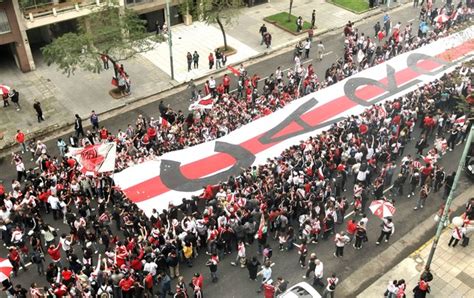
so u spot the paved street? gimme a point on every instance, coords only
(62, 97)
(233, 281)
(287, 265)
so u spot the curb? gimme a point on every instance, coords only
(364, 276)
(49, 131)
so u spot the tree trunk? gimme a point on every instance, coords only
(218, 20)
(114, 65)
(289, 14)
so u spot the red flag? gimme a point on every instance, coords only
(96, 158)
(261, 226)
(320, 173)
(460, 120)
(236, 72)
(205, 103)
(164, 122)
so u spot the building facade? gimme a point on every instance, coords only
(27, 25)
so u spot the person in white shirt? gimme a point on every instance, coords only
(65, 242)
(388, 228)
(392, 289)
(266, 274)
(53, 202)
(318, 274)
(150, 267)
(341, 239)
(331, 286)
(363, 221)
(362, 174)
(17, 236)
(212, 86)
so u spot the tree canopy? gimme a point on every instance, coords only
(111, 30)
(218, 12)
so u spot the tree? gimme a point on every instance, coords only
(113, 31)
(218, 12)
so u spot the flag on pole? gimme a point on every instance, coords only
(261, 227)
(96, 158)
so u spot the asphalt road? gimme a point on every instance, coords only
(234, 281)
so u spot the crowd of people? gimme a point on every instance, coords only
(297, 198)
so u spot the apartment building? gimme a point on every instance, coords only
(27, 25)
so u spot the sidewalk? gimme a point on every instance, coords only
(61, 97)
(451, 267)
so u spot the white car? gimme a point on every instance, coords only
(302, 289)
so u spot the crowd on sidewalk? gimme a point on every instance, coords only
(296, 198)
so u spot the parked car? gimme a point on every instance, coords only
(300, 290)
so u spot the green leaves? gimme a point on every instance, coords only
(210, 10)
(111, 30)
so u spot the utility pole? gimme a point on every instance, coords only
(170, 42)
(450, 198)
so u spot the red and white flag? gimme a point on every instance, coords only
(4, 90)
(380, 111)
(96, 158)
(460, 120)
(205, 103)
(320, 173)
(183, 173)
(233, 70)
(261, 227)
(164, 123)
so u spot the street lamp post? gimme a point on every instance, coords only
(450, 198)
(170, 42)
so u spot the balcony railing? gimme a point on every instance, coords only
(39, 8)
(131, 3)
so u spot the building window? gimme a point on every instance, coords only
(4, 25)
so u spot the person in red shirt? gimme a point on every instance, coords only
(136, 263)
(351, 228)
(148, 284)
(68, 276)
(126, 285)
(151, 132)
(197, 284)
(55, 254)
(226, 83)
(211, 60)
(255, 79)
(207, 90)
(220, 90)
(268, 290)
(380, 35)
(15, 260)
(20, 139)
(60, 290)
(426, 172)
(103, 134)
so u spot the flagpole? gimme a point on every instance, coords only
(170, 42)
(450, 198)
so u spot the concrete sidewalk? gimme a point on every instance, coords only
(451, 267)
(61, 97)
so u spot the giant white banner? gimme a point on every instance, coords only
(178, 174)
